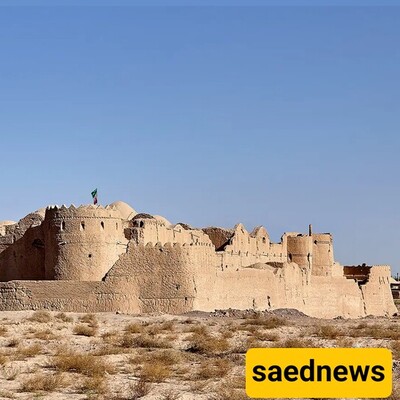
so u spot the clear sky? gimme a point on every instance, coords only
(280, 116)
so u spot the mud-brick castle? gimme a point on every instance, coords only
(93, 258)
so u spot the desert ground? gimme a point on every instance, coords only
(50, 355)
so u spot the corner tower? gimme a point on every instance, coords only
(82, 243)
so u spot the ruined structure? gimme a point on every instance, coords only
(94, 258)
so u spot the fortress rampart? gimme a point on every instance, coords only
(92, 258)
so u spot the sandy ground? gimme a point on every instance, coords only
(49, 355)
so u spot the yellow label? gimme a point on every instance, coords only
(327, 373)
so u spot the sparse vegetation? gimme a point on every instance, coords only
(40, 316)
(85, 364)
(64, 317)
(206, 344)
(43, 382)
(84, 330)
(149, 355)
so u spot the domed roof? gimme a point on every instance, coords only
(164, 220)
(41, 212)
(5, 223)
(126, 211)
(142, 216)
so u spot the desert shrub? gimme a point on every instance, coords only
(134, 327)
(11, 372)
(225, 392)
(45, 334)
(41, 316)
(89, 319)
(95, 384)
(84, 330)
(328, 332)
(395, 347)
(170, 395)
(166, 357)
(42, 382)
(214, 368)
(85, 364)
(138, 389)
(376, 331)
(344, 342)
(265, 336)
(270, 322)
(207, 344)
(3, 359)
(143, 340)
(64, 317)
(294, 343)
(29, 351)
(167, 326)
(155, 372)
(14, 342)
(198, 329)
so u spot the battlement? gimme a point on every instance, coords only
(83, 211)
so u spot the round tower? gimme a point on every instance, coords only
(299, 249)
(82, 243)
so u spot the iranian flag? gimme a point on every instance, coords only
(94, 195)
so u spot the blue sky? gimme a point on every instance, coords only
(280, 116)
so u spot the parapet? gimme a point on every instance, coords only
(83, 211)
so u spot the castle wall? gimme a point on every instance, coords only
(89, 265)
(158, 275)
(66, 296)
(376, 292)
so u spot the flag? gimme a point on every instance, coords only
(94, 195)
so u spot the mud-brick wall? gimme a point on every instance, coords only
(25, 258)
(330, 297)
(66, 296)
(376, 292)
(158, 275)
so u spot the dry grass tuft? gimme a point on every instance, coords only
(45, 334)
(270, 322)
(84, 330)
(3, 330)
(144, 341)
(42, 382)
(11, 372)
(134, 327)
(207, 344)
(86, 364)
(89, 319)
(64, 317)
(29, 351)
(139, 389)
(395, 346)
(94, 385)
(155, 372)
(328, 332)
(294, 343)
(225, 392)
(40, 316)
(214, 368)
